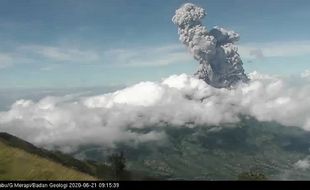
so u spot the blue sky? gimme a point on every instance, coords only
(79, 43)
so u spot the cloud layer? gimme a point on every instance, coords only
(275, 49)
(302, 164)
(147, 56)
(5, 60)
(179, 100)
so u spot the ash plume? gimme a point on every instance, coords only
(219, 63)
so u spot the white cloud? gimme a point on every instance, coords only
(46, 68)
(28, 54)
(148, 56)
(275, 49)
(5, 60)
(69, 54)
(179, 100)
(132, 57)
(141, 56)
(302, 164)
(257, 53)
(305, 74)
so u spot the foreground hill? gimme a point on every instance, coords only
(20, 160)
(17, 164)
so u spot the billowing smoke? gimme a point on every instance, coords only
(219, 63)
(177, 101)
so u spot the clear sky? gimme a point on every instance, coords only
(84, 43)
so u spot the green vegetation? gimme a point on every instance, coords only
(17, 164)
(199, 153)
(252, 176)
(190, 153)
(20, 160)
(118, 164)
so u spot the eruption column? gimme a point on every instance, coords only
(219, 63)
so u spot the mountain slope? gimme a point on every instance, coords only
(63, 159)
(221, 153)
(22, 160)
(17, 164)
(19, 157)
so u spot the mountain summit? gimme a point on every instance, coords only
(219, 62)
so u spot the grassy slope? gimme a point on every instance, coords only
(17, 164)
(22, 160)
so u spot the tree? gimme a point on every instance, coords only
(118, 164)
(252, 176)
